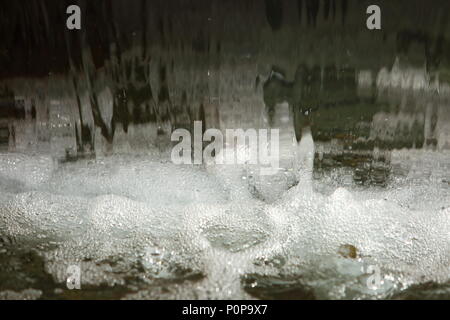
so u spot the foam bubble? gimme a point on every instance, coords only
(18, 171)
(123, 217)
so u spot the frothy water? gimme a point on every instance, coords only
(156, 230)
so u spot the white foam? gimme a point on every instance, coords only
(28, 171)
(167, 217)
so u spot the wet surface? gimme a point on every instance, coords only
(358, 208)
(132, 242)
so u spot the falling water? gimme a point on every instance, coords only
(305, 159)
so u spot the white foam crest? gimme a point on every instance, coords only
(158, 183)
